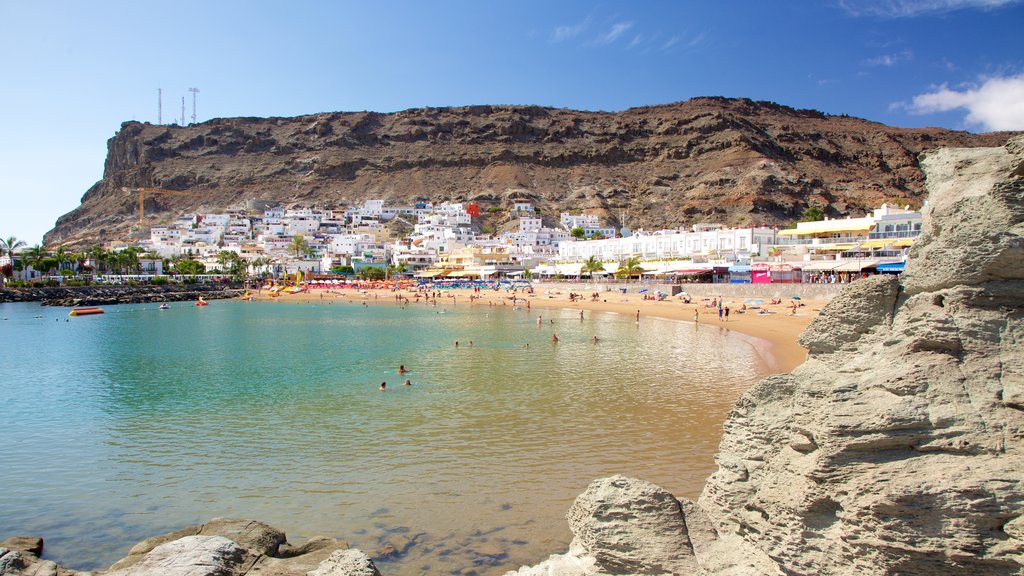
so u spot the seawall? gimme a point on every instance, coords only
(106, 295)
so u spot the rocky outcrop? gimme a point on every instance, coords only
(221, 547)
(898, 447)
(119, 294)
(724, 160)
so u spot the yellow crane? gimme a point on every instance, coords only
(153, 191)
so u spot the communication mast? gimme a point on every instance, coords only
(159, 106)
(182, 110)
(194, 91)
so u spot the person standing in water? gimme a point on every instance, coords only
(383, 386)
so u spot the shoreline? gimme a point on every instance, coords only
(777, 327)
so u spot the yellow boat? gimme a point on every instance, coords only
(85, 311)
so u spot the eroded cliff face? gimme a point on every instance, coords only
(723, 160)
(897, 448)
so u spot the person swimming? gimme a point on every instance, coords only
(383, 386)
(408, 382)
(401, 369)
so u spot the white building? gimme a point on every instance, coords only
(710, 242)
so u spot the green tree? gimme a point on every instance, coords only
(592, 265)
(97, 254)
(346, 270)
(578, 232)
(62, 256)
(812, 214)
(232, 263)
(34, 257)
(300, 246)
(372, 273)
(189, 267)
(631, 267)
(396, 269)
(8, 246)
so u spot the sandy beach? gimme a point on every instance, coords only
(777, 325)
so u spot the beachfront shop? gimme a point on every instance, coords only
(771, 273)
(739, 274)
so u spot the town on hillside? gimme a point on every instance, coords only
(435, 242)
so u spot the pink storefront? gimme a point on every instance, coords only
(764, 273)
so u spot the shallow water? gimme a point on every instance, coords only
(137, 422)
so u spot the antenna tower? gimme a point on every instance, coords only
(182, 110)
(194, 91)
(159, 106)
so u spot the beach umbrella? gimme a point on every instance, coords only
(795, 297)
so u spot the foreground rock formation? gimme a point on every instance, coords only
(221, 547)
(897, 448)
(732, 161)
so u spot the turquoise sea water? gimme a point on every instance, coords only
(137, 422)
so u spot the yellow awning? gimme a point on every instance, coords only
(875, 244)
(836, 247)
(903, 242)
(830, 227)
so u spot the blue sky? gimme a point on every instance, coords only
(73, 71)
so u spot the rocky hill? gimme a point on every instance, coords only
(732, 161)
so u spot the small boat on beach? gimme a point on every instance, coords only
(85, 311)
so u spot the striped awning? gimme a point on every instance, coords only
(855, 266)
(903, 242)
(819, 266)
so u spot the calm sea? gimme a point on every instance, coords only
(140, 421)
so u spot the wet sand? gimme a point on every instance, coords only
(778, 326)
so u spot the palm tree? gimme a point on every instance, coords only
(96, 253)
(300, 245)
(34, 256)
(62, 256)
(9, 245)
(592, 265)
(631, 267)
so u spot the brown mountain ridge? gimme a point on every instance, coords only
(732, 161)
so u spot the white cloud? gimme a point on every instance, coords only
(670, 42)
(889, 60)
(562, 33)
(617, 29)
(998, 104)
(636, 40)
(697, 39)
(912, 8)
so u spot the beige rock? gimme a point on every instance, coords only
(193, 556)
(346, 563)
(898, 447)
(631, 526)
(30, 544)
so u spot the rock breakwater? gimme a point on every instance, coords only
(107, 295)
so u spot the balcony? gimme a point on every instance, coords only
(894, 235)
